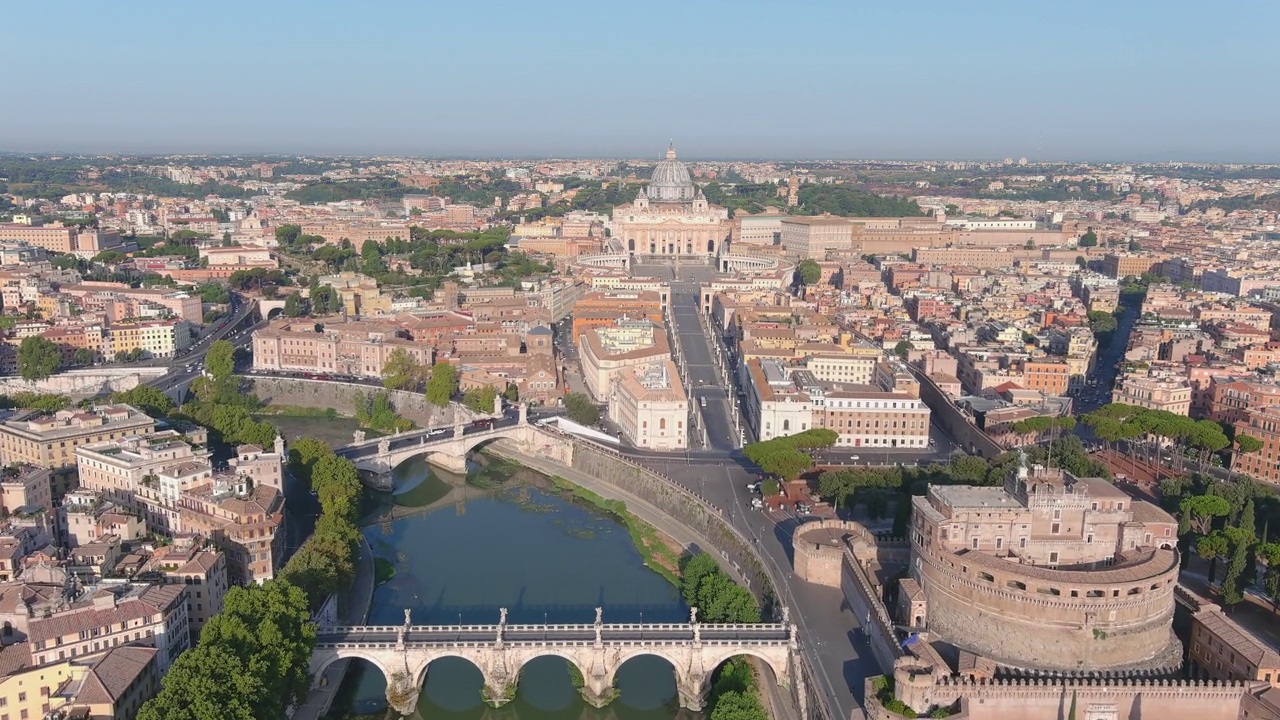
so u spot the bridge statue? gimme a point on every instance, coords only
(693, 616)
(404, 658)
(358, 436)
(384, 446)
(407, 615)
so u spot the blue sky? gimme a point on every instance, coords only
(1051, 80)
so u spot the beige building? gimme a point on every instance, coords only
(1157, 393)
(360, 294)
(137, 473)
(606, 352)
(784, 401)
(25, 487)
(153, 615)
(157, 338)
(108, 686)
(648, 403)
(50, 439)
(671, 216)
(812, 237)
(203, 572)
(243, 521)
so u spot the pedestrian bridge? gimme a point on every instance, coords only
(404, 653)
(449, 447)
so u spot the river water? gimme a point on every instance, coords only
(502, 537)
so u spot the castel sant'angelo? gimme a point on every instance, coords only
(1052, 597)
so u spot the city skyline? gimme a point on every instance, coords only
(727, 81)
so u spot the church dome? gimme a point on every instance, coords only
(671, 181)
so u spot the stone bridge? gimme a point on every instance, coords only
(449, 447)
(404, 653)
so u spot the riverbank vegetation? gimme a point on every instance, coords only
(383, 570)
(301, 412)
(659, 553)
(376, 412)
(326, 562)
(718, 598)
(251, 662)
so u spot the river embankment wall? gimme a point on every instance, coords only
(345, 397)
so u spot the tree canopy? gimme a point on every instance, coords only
(442, 385)
(38, 358)
(251, 662)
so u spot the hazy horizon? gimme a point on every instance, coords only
(1095, 82)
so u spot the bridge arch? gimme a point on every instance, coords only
(781, 674)
(320, 661)
(420, 673)
(611, 673)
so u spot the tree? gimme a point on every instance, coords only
(1231, 591)
(903, 348)
(1199, 511)
(402, 371)
(735, 705)
(84, 356)
(1211, 547)
(810, 271)
(286, 235)
(512, 393)
(442, 385)
(581, 410)
(38, 358)
(480, 399)
(304, 453)
(371, 259)
(1245, 445)
(1089, 239)
(220, 360)
(251, 662)
(147, 399)
(295, 305)
(1269, 554)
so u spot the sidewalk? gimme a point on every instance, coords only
(358, 600)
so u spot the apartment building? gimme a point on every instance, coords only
(1122, 265)
(357, 233)
(85, 518)
(109, 686)
(122, 301)
(244, 522)
(1229, 398)
(243, 256)
(358, 348)
(856, 367)
(648, 403)
(1263, 423)
(1171, 394)
(603, 309)
(157, 338)
(109, 616)
(25, 488)
(50, 439)
(203, 572)
(144, 474)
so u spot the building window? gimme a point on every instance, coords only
(975, 543)
(1053, 558)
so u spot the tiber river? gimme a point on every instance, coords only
(504, 538)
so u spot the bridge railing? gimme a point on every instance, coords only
(754, 628)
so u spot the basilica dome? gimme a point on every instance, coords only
(671, 181)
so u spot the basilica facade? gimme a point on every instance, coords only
(671, 216)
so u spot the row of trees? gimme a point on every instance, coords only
(326, 562)
(1119, 422)
(784, 457)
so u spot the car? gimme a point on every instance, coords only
(855, 457)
